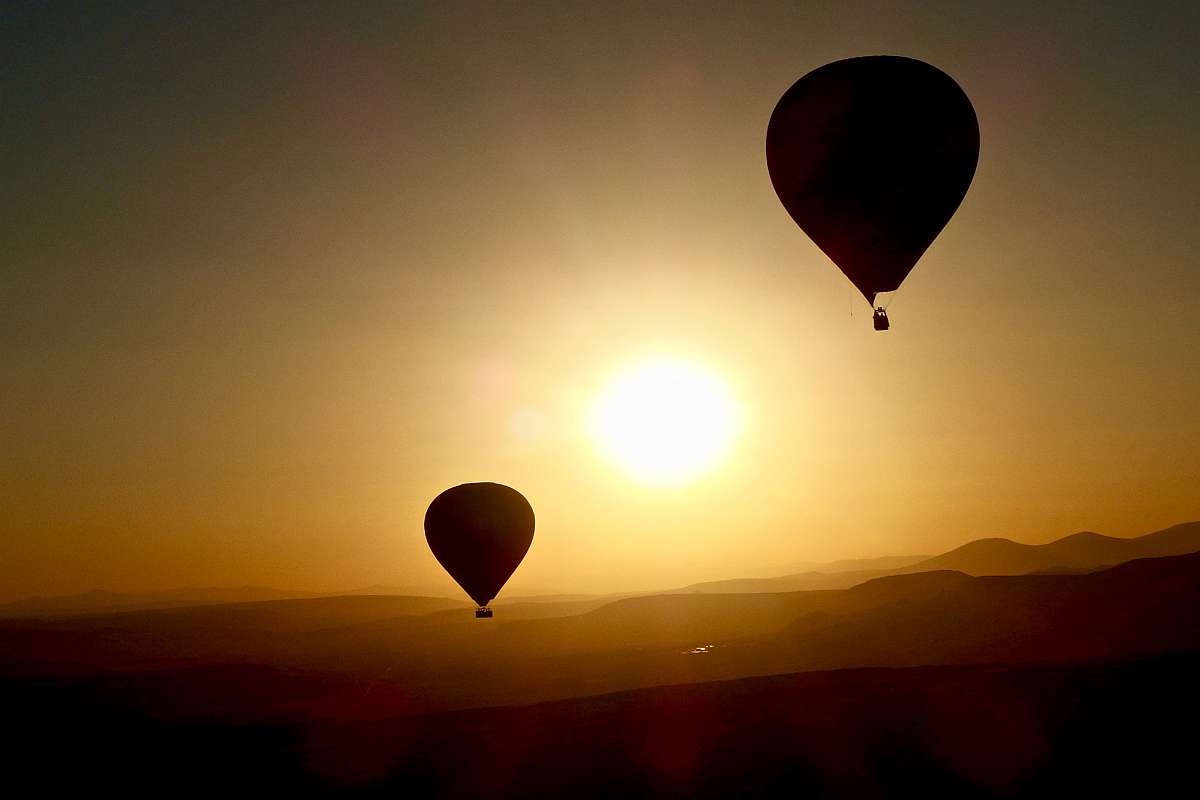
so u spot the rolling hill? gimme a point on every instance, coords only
(1079, 552)
(928, 680)
(800, 582)
(361, 658)
(1076, 553)
(103, 602)
(1085, 550)
(829, 575)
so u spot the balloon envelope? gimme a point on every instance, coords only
(479, 532)
(871, 157)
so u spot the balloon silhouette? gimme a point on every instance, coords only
(479, 532)
(871, 157)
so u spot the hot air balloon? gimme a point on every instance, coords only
(479, 532)
(871, 157)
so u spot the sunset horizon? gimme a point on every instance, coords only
(375, 362)
(265, 307)
(441, 585)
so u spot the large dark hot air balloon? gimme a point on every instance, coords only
(871, 157)
(479, 532)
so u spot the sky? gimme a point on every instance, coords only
(273, 277)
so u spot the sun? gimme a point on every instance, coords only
(665, 421)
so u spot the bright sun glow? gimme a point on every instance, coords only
(665, 421)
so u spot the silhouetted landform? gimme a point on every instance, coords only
(516, 609)
(102, 602)
(1067, 729)
(1080, 551)
(830, 575)
(355, 658)
(559, 598)
(923, 684)
(861, 564)
(801, 582)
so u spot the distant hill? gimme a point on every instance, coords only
(543, 607)
(926, 683)
(800, 582)
(1140, 607)
(820, 575)
(102, 602)
(1080, 551)
(860, 564)
(386, 656)
(198, 629)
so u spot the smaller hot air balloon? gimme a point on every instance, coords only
(479, 532)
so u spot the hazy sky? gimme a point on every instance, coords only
(273, 278)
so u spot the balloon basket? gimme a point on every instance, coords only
(483, 613)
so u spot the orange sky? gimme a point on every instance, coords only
(274, 280)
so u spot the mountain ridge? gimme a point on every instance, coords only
(1080, 550)
(1077, 552)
